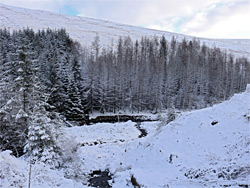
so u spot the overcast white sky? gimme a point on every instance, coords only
(201, 18)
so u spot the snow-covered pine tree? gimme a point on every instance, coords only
(18, 81)
(42, 131)
(41, 136)
(73, 106)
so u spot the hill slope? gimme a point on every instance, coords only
(85, 29)
(203, 148)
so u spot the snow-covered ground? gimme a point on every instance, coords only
(14, 174)
(85, 29)
(202, 148)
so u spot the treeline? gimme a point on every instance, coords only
(45, 76)
(153, 75)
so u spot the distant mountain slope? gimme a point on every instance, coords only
(85, 29)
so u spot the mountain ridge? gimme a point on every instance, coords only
(84, 29)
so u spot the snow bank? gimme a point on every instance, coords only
(192, 152)
(202, 148)
(104, 132)
(14, 173)
(12, 170)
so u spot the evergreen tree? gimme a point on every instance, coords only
(42, 135)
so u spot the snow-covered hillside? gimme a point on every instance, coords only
(85, 29)
(202, 148)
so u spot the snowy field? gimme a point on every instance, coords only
(85, 29)
(202, 148)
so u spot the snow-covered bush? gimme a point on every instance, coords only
(12, 171)
(70, 162)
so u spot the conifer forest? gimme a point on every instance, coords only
(47, 78)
